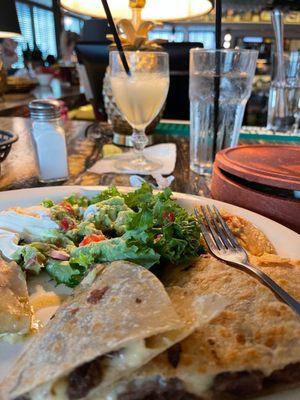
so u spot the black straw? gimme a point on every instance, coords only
(218, 33)
(116, 36)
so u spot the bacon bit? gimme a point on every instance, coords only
(65, 224)
(58, 255)
(31, 262)
(68, 207)
(174, 354)
(138, 300)
(96, 295)
(92, 239)
(170, 216)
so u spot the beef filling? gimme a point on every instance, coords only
(174, 354)
(288, 374)
(84, 378)
(158, 389)
(239, 383)
(233, 384)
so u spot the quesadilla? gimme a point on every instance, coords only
(15, 313)
(250, 347)
(119, 317)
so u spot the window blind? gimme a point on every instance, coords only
(24, 16)
(37, 26)
(44, 28)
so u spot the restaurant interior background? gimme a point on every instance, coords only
(49, 32)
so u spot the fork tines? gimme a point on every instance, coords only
(215, 230)
(223, 245)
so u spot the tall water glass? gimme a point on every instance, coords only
(221, 81)
(140, 98)
(284, 97)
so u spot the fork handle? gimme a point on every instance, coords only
(267, 281)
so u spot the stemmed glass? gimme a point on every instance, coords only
(140, 97)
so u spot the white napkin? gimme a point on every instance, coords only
(165, 153)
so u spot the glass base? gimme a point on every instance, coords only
(202, 169)
(140, 165)
(53, 180)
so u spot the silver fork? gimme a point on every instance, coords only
(223, 245)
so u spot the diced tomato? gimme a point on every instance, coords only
(170, 216)
(65, 224)
(68, 207)
(92, 239)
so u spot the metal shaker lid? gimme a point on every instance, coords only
(44, 109)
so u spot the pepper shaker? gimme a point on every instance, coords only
(49, 139)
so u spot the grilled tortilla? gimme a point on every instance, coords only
(117, 320)
(15, 314)
(250, 347)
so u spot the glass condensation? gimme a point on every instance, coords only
(236, 70)
(284, 97)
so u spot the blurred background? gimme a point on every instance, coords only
(50, 34)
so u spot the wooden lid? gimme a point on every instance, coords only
(272, 165)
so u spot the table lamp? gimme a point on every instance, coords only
(157, 10)
(9, 28)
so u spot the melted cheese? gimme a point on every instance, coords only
(196, 383)
(50, 391)
(133, 355)
(43, 299)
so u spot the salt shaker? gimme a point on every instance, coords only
(49, 139)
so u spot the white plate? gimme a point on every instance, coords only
(286, 242)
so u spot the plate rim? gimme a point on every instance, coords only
(66, 190)
(291, 394)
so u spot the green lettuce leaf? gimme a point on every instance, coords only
(30, 256)
(113, 250)
(80, 201)
(63, 272)
(141, 196)
(105, 195)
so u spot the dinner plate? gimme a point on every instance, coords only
(285, 241)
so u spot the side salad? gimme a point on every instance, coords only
(140, 226)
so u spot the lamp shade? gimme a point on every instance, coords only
(9, 24)
(158, 10)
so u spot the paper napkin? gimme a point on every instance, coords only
(165, 153)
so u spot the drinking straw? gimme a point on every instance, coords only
(218, 32)
(116, 36)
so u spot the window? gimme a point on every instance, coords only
(73, 24)
(24, 16)
(44, 29)
(205, 37)
(179, 35)
(161, 34)
(37, 27)
(182, 33)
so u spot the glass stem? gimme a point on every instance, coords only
(139, 141)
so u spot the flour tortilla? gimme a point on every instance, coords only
(15, 313)
(115, 306)
(250, 346)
